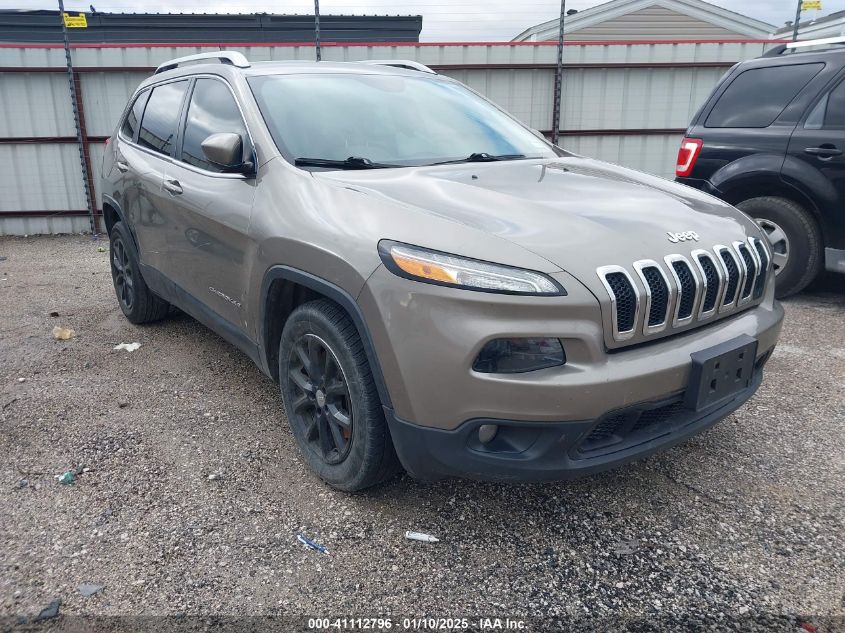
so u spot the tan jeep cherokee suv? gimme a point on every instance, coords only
(430, 282)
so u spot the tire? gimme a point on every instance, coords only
(802, 259)
(325, 378)
(138, 303)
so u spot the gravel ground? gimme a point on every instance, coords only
(193, 492)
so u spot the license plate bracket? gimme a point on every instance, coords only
(720, 372)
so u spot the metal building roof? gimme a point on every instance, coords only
(43, 27)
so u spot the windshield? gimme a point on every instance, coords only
(392, 120)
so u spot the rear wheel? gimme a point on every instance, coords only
(138, 303)
(795, 239)
(330, 399)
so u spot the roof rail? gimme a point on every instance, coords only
(400, 63)
(840, 39)
(233, 58)
(779, 50)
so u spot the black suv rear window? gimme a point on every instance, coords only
(757, 96)
(161, 116)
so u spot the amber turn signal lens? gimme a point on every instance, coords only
(426, 270)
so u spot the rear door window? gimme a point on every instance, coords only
(757, 96)
(829, 112)
(130, 123)
(161, 117)
(212, 110)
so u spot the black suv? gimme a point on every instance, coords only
(770, 140)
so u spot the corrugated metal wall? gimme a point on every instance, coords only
(626, 103)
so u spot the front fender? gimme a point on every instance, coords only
(811, 182)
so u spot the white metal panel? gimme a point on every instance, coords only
(96, 151)
(105, 96)
(654, 154)
(634, 98)
(35, 104)
(48, 225)
(40, 177)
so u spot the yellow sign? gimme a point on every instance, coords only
(76, 21)
(811, 4)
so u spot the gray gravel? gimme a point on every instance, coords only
(189, 492)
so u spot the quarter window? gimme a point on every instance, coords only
(130, 123)
(757, 96)
(161, 117)
(212, 110)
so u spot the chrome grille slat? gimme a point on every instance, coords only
(711, 295)
(683, 289)
(764, 260)
(749, 267)
(733, 275)
(652, 298)
(620, 334)
(677, 263)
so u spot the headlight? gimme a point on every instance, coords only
(413, 262)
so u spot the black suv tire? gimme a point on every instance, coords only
(804, 260)
(137, 301)
(330, 398)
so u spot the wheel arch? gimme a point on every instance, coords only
(282, 290)
(112, 214)
(762, 175)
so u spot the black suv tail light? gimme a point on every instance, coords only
(687, 155)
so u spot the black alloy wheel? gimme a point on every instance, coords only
(123, 274)
(322, 406)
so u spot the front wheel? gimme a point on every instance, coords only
(330, 398)
(795, 240)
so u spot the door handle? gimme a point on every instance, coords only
(824, 151)
(172, 186)
(121, 166)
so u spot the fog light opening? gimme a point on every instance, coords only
(519, 355)
(486, 433)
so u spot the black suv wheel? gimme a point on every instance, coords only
(330, 399)
(795, 240)
(137, 301)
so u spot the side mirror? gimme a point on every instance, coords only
(226, 150)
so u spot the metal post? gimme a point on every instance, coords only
(81, 141)
(558, 77)
(797, 20)
(317, 28)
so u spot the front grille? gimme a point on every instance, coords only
(711, 276)
(750, 270)
(687, 285)
(732, 271)
(721, 280)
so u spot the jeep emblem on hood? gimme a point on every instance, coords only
(683, 236)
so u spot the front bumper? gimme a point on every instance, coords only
(426, 338)
(531, 451)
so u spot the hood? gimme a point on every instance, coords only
(576, 213)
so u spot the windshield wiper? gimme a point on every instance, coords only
(353, 162)
(481, 157)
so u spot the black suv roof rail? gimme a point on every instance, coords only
(792, 46)
(233, 58)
